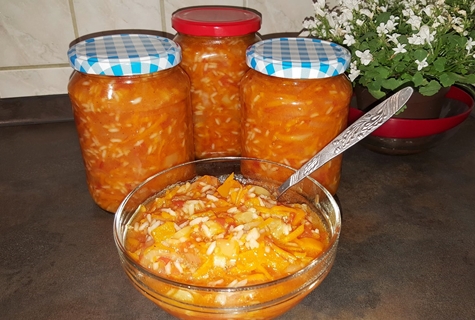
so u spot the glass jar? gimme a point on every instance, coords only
(131, 104)
(214, 42)
(296, 99)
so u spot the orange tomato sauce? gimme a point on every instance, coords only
(129, 128)
(226, 234)
(290, 120)
(215, 66)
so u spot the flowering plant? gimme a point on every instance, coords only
(428, 44)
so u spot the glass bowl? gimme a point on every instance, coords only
(261, 301)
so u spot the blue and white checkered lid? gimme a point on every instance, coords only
(124, 55)
(298, 58)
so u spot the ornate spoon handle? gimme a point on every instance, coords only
(361, 128)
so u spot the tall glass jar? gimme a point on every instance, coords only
(131, 104)
(296, 99)
(214, 42)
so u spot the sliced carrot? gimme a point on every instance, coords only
(294, 234)
(229, 183)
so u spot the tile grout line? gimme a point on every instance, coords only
(37, 66)
(162, 15)
(54, 65)
(73, 18)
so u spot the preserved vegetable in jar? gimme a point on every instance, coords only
(131, 105)
(214, 42)
(295, 99)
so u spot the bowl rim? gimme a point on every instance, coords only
(400, 128)
(333, 241)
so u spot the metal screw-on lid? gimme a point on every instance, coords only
(298, 58)
(124, 55)
(216, 21)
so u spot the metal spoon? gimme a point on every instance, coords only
(361, 128)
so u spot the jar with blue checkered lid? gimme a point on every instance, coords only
(214, 40)
(132, 108)
(295, 100)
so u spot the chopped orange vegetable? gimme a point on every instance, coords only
(206, 233)
(229, 183)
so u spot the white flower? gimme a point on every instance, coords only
(458, 28)
(309, 24)
(319, 6)
(415, 40)
(346, 15)
(393, 37)
(426, 35)
(391, 24)
(407, 12)
(366, 57)
(332, 19)
(354, 72)
(415, 22)
(428, 10)
(367, 13)
(349, 40)
(400, 48)
(421, 64)
(381, 29)
(470, 44)
(359, 22)
(351, 4)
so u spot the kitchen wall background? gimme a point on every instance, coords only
(35, 34)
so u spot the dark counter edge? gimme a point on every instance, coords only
(35, 110)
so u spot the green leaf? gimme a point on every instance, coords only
(384, 72)
(392, 84)
(470, 79)
(378, 94)
(368, 35)
(430, 89)
(383, 17)
(403, 39)
(373, 74)
(418, 79)
(446, 79)
(374, 86)
(420, 54)
(439, 64)
(458, 40)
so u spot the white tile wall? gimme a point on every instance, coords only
(35, 34)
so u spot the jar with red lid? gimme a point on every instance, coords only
(214, 42)
(295, 100)
(132, 108)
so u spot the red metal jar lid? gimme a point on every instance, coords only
(216, 21)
